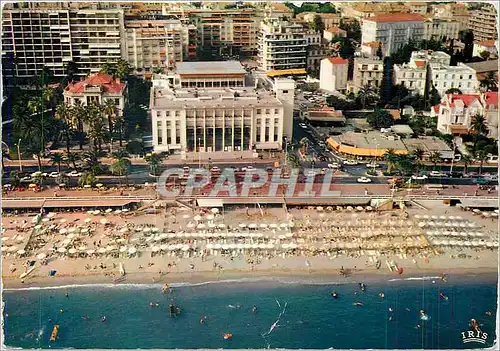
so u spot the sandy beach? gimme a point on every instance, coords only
(324, 241)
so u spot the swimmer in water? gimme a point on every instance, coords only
(417, 326)
(254, 309)
(202, 320)
(103, 319)
(61, 311)
(334, 294)
(422, 312)
(358, 303)
(488, 313)
(443, 296)
(390, 309)
(381, 295)
(407, 309)
(390, 318)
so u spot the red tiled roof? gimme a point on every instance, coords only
(419, 63)
(338, 60)
(396, 17)
(110, 85)
(466, 98)
(487, 43)
(491, 98)
(372, 44)
(336, 30)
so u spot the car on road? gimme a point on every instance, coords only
(39, 174)
(419, 177)
(269, 169)
(333, 165)
(26, 179)
(73, 174)
(351, 162)
(311, 173)
(364, 180)
(302, 125)
(372, 165)
(248, 169)
(436, 174)
(215, 169)
(54, 174)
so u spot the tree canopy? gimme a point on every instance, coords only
(380, 118)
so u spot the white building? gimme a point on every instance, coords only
(332, 33)
(462, 77)
(315, 51)
(439, 28)
(455, 112)
(367, 72)
(333, 74)
(282, 45)
(393, 30)
(211, 111)
(486, 45)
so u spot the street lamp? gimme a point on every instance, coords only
(19, 156)
(453, 156)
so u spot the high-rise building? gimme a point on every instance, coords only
(483, 23)
(282, 45)
(36, 37)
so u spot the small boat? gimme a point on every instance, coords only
(228, 336)
(25, 274)
(335, 295)
(55, 331)
(358, 304)
(362, 286)
(122, 270)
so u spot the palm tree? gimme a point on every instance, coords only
(108, 68)
(478, 128)
(466, 160)
(72, 158)
(123, 69)
(365, 94)
(418, 154)
(56, 159)
(86, 179)
(435, 158)
(490, 82)
(109, 109)
(63, 113)
(153, 159)
(481, 156)
(95, 120)
(78, 116)
(121, 168)
(390, 157)
(93, 162)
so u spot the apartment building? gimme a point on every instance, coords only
(367, 72)
(412, 75)
(393, 30)
(462, 77)
(451, 10)
(441, 28)
(333, 74)
(422, 8)
(483, 23)
(315, 50)
(361, 11)
(39, 37)
(158, 42)
(333, 32)
(456, 112)
(220, 114)
(328, 19)
(282, 45)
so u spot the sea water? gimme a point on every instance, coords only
(288, 315)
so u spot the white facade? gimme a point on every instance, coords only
(393, 30)
(219, 119)
(413, 76)
(282, 45)
(462, 77)
(333, 74)
(437, 29)
(456, 112)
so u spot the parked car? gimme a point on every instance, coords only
(351, 162)
(54, 174)
(215, 169)
(419, 177)
(436, 174)
(26, 179)
(372, 165)
(74, 174)
(364, 180)
(333, 165)
(303, 125)
(247, 169)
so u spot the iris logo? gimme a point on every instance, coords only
(474, 336)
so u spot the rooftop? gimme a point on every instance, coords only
(338, 60)
(487, 43)
(396, 17)
(370, 140)
(428, 145)
(484, 66)
(210, 67)
(105, 81)
(223, 97)
(336, 30)
(372, 44)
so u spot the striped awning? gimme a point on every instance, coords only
(287, 72)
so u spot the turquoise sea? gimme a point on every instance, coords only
(288, 315)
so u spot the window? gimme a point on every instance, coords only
(160, 132)
(470, 76)
(276, 111)
(268, 111)
(177, 113)
(158, 114)
(259, 111)
(285, 91)
(167, 113)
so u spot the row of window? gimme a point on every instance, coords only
(446, 76)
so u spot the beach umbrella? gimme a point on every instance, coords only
(164, 247)
(72, 251)
(349, 208)
(263, 225)
(270, 246)
(124, 230)
(292, 246)
(71, 236)
(102, 250)
(242, 225)
(284, 225)
(273, 225)
(90, 252)
(61, 250)
(82, 248)
(110, 248)
(217, 246)
(209, 246)
(210, 217)
(108, 210)
(146, 229)
(11, 249)
(214, 210)
(21, 252)
(20, 238)
(221, 226)
(123, 249)
(155, 229)
(85, 230)
(99, 185)
(5, 238)
(45, 219)
(421, 224)
(285, 246)
(87, 220)
(118, 211)
(442, 217)
(41, 256)
(63, 220)
(485, 214)
(155, 249)
(252, 225)
(66, 241)
(125, 210)
(197, 218)
(319, 208)
(211, 225)
(63, 231)
(200, 226)
(103, 221)
(96, 212)
(190, 225)
(132, 250)
(163, 236)
(225, 246)
(359, 208)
